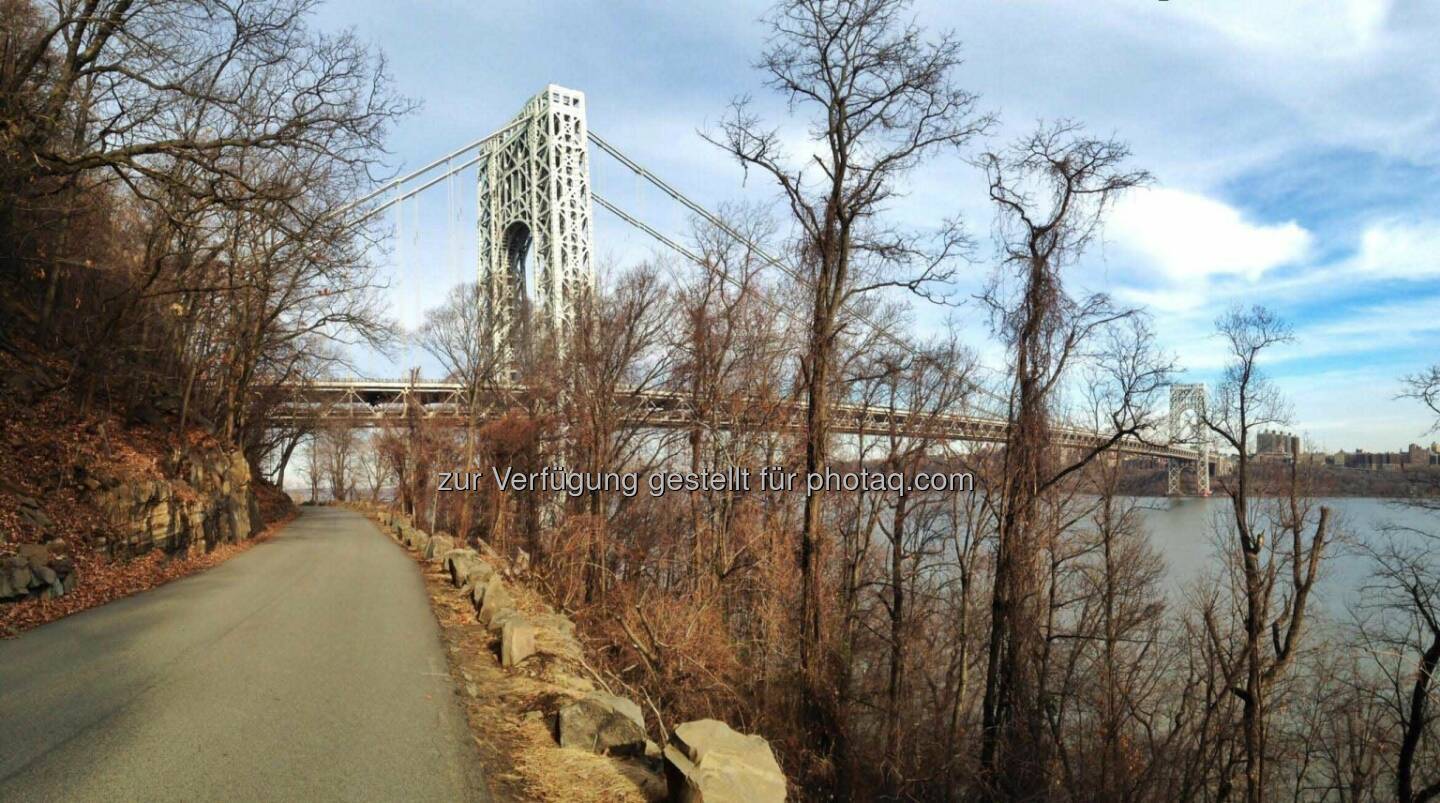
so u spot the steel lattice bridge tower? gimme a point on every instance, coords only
(535, 220)
(1187, 428)
(534, 228)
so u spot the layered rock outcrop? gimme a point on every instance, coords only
(211, 503)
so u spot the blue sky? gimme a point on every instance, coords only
(1295, 145)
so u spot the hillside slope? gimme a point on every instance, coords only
(98, 503)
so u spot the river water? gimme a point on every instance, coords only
(1183, 530)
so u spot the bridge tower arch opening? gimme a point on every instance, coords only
(520, 274)
(535, 230)
(1187, 428)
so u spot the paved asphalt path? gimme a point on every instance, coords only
(307, 668)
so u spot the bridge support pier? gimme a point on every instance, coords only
(1187, 416)
(1175, 478)
(1202, 470)
(1175, 471)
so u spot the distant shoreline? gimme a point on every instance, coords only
(1319, 481)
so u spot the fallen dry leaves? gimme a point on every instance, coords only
(49, 449)
(103, 581)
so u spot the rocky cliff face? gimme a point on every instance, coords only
(211, 503)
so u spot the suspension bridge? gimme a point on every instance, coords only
(535, 251)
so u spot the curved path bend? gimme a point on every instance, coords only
(306, 668)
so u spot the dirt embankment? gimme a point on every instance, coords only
(96, 504)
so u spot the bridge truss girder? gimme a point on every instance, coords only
(370, 403)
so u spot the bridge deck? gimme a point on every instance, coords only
(366, 402)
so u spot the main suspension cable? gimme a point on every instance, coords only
(720, 223)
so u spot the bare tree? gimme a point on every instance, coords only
(222, 136)
(929, 383)
(132, 88)
(455, 334)
(1425, 387)
(370, 465)
(410, 450)
(337, 447)
(1289, 564)
(1398, 627)
(314, 468)
(613, 359)
(1051, 190)
(1109, 655)
(883, 101)
(1397, 617)
(728, 357)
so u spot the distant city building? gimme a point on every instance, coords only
(1281, 446)
(1275, 446)
(1415, 457)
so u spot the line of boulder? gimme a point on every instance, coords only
(705, 760)
(37, 570)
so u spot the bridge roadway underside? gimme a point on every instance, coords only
(368, 403)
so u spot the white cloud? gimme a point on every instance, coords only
(1398, 250)
(1385, 251)
(1383, 329)
(1322, 28)
(1191, 237)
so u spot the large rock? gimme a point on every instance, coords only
(415, 538)
(517, 641)
(438, 546)
(497, 600)
(21, 578)
(602, 723)
(36, 555)
(47, 576)
(479, 584)
(559, 645)
(459, 562)
(708, 761)
(475, 570)
(560, 623)
(478, 571)
(497, 621)
(478, 588)
(555, 637)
